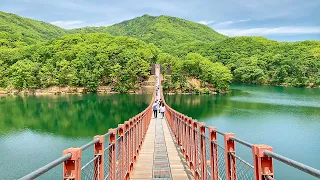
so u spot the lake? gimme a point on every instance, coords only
(36, 129)
(288, 119)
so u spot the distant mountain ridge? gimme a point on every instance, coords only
(164, 31)
(18, 31)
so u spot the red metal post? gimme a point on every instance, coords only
(184, 136)
(99, 163)
(203, 151)
(177, 129)
(112, 154)
(134, 139)
(72, 166)
(263, 165)
(131, 141)
(127, 151)
(180, 131)
(121, 130)
(213, 153)
(189, 132)
(230, 147)
(195, 149)
(139, 133)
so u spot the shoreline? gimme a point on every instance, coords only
(55, 90)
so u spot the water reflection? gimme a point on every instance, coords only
(245, 100)
(74, 116)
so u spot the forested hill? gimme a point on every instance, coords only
(257, 60)
(90, 57)
(164, 31)
(18, 31)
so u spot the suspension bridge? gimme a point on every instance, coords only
(173, 147)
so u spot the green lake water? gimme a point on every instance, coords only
(288, 119)
(35, 130)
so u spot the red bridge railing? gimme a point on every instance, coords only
(115, 153)
(208, 160)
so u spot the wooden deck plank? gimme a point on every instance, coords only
(144, 166)
(179, 168)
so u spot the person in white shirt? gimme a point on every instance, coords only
(162, 109)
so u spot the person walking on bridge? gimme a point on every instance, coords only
(155, 109)
(162, 110)
(160, 102)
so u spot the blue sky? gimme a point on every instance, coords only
(283, 20)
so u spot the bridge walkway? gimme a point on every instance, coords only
(157, 160)
(146, 146)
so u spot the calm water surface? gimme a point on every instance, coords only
(288, 119)
(35, 130)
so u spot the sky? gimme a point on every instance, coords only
(282, 20)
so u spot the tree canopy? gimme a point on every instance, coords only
(36, 54)
(81, 60)
(257, 60)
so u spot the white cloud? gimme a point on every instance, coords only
(68, 24)
(205, 22)
(270, 31)
(232, 22)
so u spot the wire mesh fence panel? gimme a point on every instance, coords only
(187, 140)
(192, 147)
(198, 151)
(137, 139)
(126, 158)
(107, 162)
(119, 158)
(91, 169)
(221, 163)
(244, 170)
(208, 163)
(131, 146)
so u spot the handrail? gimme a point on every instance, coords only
(219, 132)
(84, 147)
(46, 168)
(307, 169)
(242, 142)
